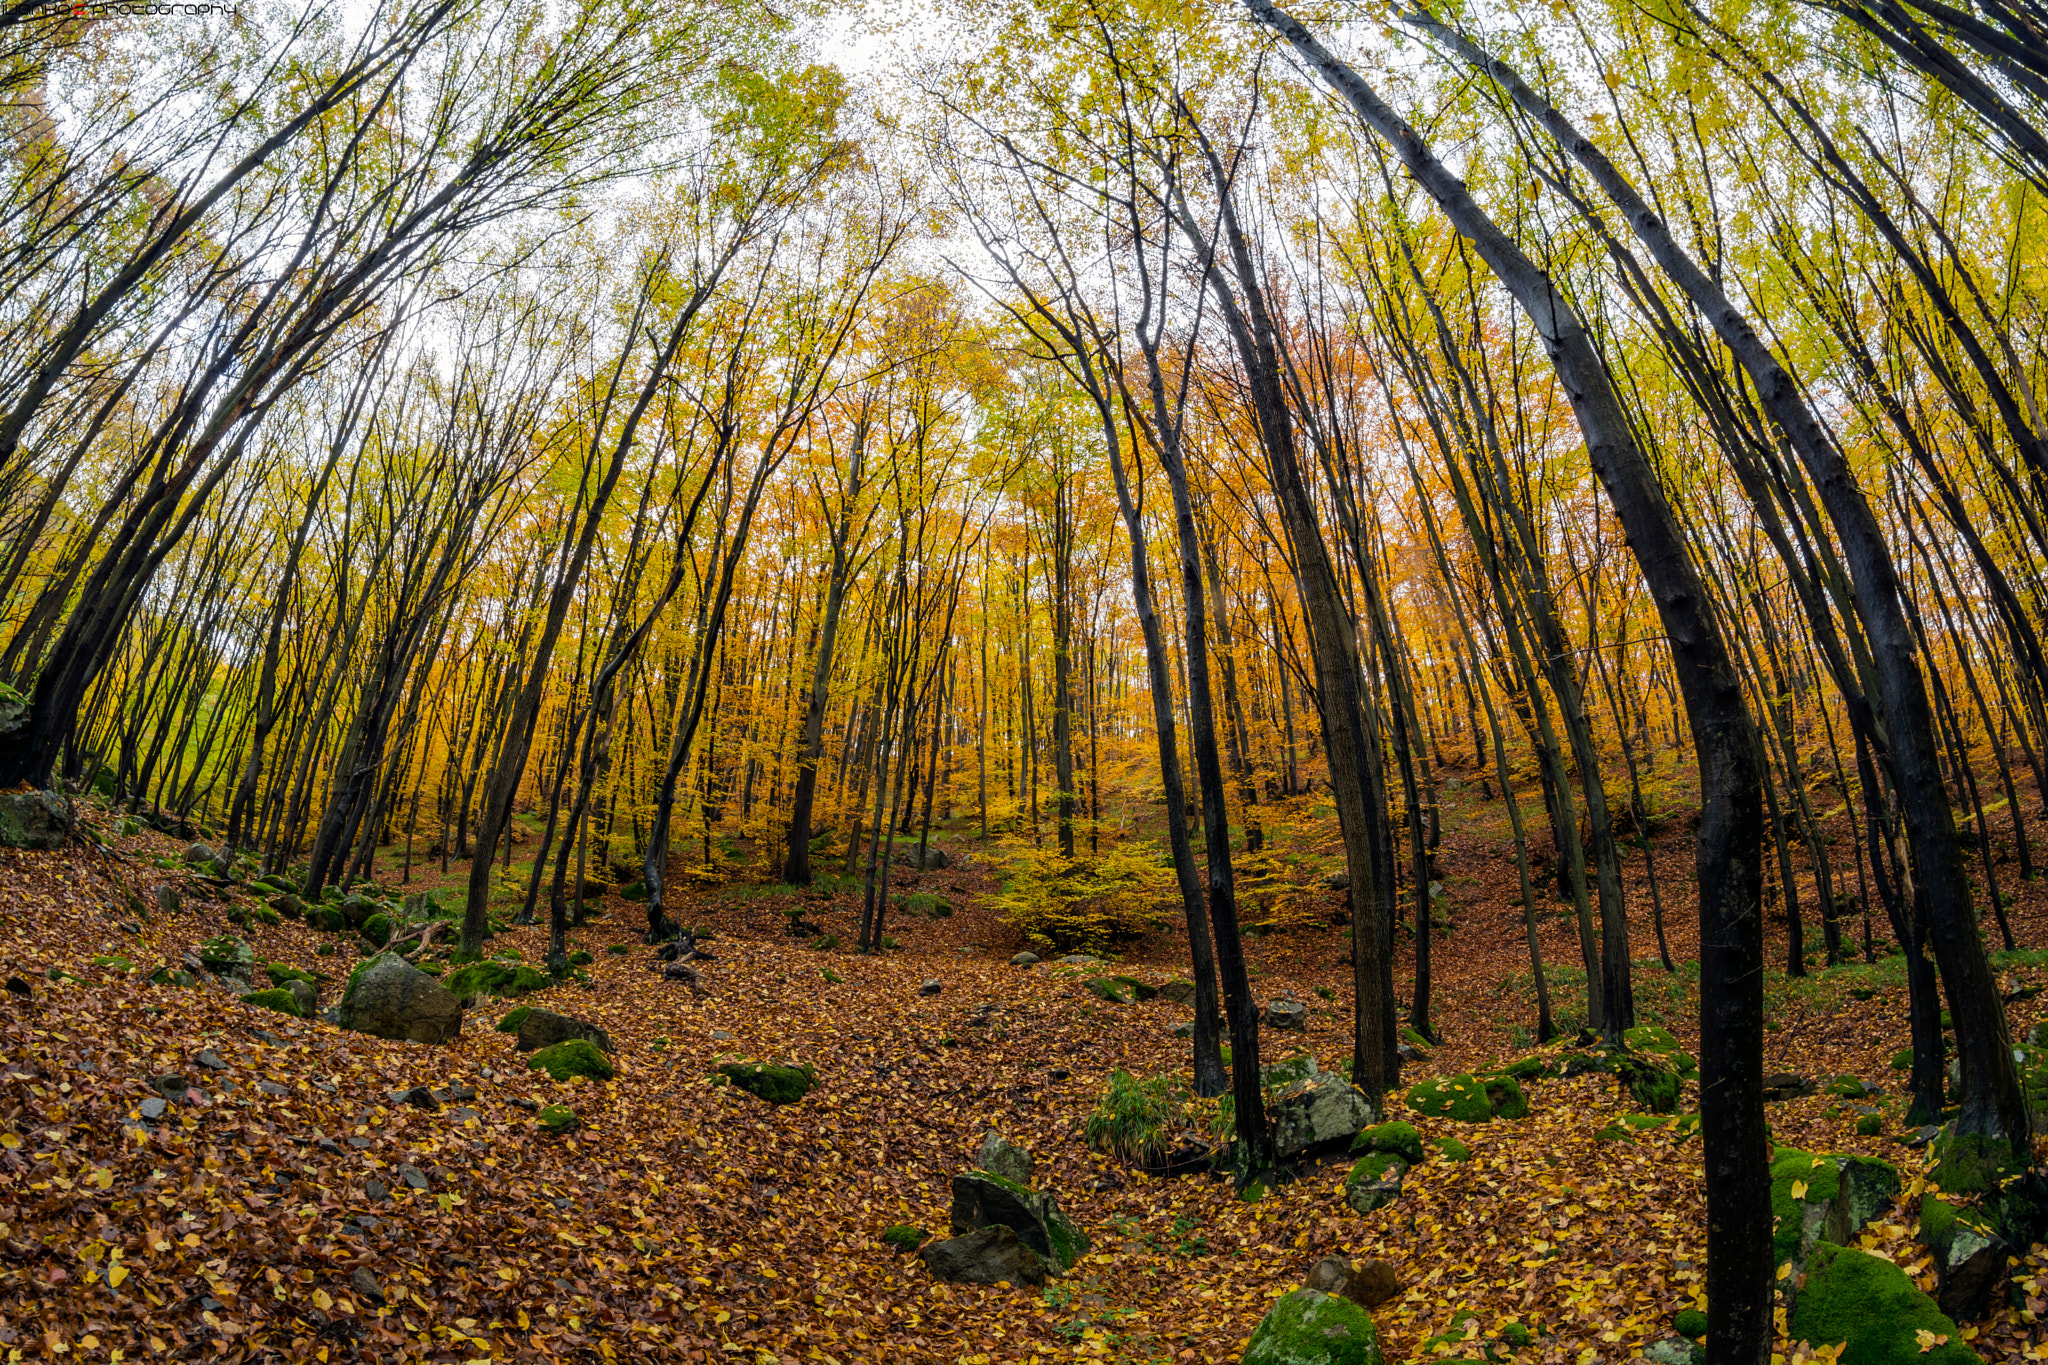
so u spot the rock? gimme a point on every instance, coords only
(1969, 1256)
(1287, 1014)
(226, 955)
(1337, 881)
(572, 1057)
(167, 901)
(1186, 1030)
(210, 1059)
(1024, 960)
(1869, 1304)
(388, 997)
(1399, 1138)
(1410, 1053)
(172, 1087)
(775, 1084)
(375, 1192)
(1831, 1198)
(983, 1200)
(1374, 1182)
(34, 819)
(272, 1089)
(199, 855)
(364, 1283)
(558, 1119)
(932, 987)
(990, 1255)
(307, 997)
(1000, 1156)
(152, 1108)
(1079, 960)
(1319, 1111)
(539, 1028)
(1670, 1351)
(1470, 1099)
(419, 1097)
(1368, 1285)
(1312, 1328)
(1106, 988)
(1179, 992)
(1786, 1086)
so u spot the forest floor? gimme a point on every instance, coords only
(690, 1221)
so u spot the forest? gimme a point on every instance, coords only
(1024, 679)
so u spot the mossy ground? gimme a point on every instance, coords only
(573, 1057)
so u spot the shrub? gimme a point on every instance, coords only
(1086, 903)
(572, 1057)
(1135, 1115)
(274, 999)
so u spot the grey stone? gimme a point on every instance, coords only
(172, 1087)
(1338, 881)
(34, 819)
(307, 997)
(365, 1284)
(210, 1059)
(413, 1176)
(152, 1108)
(1000, 1156)
(1287, 1014)
(460, 1094)
(1786, 1086)
(1186, 1030)
(199, 855)
(330, 1146)
(544, 1028)
(1079, 960)
(990, 1255)
(981, 1201)
(1179, 992)
(1024, 960)
(1321, 1111)
(1670, 1351)
(1366, 1195)
(419, 1097)
(272, 1088)
(167, 900)
(394, 999)
(375, 1190)
(932, 987)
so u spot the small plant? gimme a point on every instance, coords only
(1135, 1115)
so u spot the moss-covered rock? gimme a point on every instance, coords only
(1450, 1149)
(327, 918)
(1140, 990)
(1106, 988)
(558, 1119)
(282, 974)
(1470, 1099)
(514, 1018)
(1649, 1082)
(1402, 1139)
(1969, 1255)
(274, 999)
(227, 955)
(377, 929)
(902, 1238)
(1650, 1040)
(581, 958)
(1374, 1181)
(1868, 1304)
(573, 1057)
(1524, 1068)
(982, 1199)
(1971, 1163)
(775, 1084)
(1869, 1125)
(1312, 1328)
(1827, 1197)
(501, 979)
(1690, 1322)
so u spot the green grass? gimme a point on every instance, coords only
(1135, 1114)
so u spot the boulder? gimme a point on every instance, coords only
(1024, 960)
(1368, 1285)
(357, 908)
(1287, 1014)
(1786, 1086)
(982, 1199)
(1308, 1327)
(572, 1057)
(226, 955)
(775, 1084)
(990, 1255)
(1323, 1110)
(307, 995)
(199, 855)
(388, 997)
(1000, 1156)
(1399, 1138)
(539, 1028)
(1374, 1182)
(1179, 992)
(1824, 1198)
(34, 819)
(1969, 1256)
(903, 1238)
(932, 987)
(1470, 1099)
(1870, 1305)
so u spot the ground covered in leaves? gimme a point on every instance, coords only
(295, 1207)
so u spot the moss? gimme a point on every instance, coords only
(1869, 1125)
(1615, 1132)
(1505, 1094)
(264, 915)
(825, 943)
(1106, 988)
(1644, 1122)
(618, 950)
(115, 961)
(1415, 1039)
(1690, 1322)
(1375, 1166)
(581, 958)
(1516, 1335)
(1524, 1068)
(775, 1084)
(495, 978)
(1450, 1149)
(324, 950)
(1902, 1060)
(903, 1238)
(1971, 1163)
(377, 929)
(1308, 1328)
(558, 1119)
(1400, 1138)
(572, 1057)
(274, 999)
(1461, 1098)
(1653, 1041)
(1140, 990)
(1847, 1088)
(1792, 1169)
(279, 973)
(1855, 1299)
(514, 1018)
(327, 918)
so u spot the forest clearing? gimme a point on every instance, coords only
(1024, 680)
